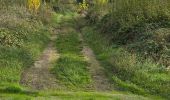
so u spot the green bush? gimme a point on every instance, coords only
(141, 26)
(128, 19)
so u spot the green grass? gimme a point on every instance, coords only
(27, 39)
(126, 86)
(95, 96)
(15, 59)
(71, 68)
(15, 97)
(69, 43)
(22, 40)
(127, 71)
(138, 49)
(60, 17)
(63, 95)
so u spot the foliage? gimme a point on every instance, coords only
(33, 5)
(82, 6)
(8, 38)
(65, 95)
(132, 44)
(137, 24)
(23, 36)
(129, 71)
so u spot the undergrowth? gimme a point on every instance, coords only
(129, 72)
(136, 47)
(23, 36)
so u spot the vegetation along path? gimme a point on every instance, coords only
(68, 63)
(101, 83)
(100, 80)
(38, 76)
(71, 41)
(84, 50)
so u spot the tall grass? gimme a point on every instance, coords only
(128, 72)
(23, 36)
(137, 26)
(136, 23)
(129, 12)
(124, 14)
(8, 3)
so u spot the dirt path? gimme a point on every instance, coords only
(100, 80)
(38, 76)
(101, 83)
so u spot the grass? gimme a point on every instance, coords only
(71, 42)
(22, 39)
(137, 50)
(62, 95)
(124, 69)
(95, 96)
(69, 47)
(71, 68)
(15, 59)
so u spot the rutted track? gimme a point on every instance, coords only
(38, 76)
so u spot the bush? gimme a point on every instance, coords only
(141, 26)
(128, 15)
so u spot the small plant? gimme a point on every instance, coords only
(10, 38)
(83, 6)
(33, 5)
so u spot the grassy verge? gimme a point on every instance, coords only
(15, 59)
(139, 51)
(94, 96)
(126, 70)
(60, 95)
(23, 37)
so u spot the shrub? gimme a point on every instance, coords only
(126, 15)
